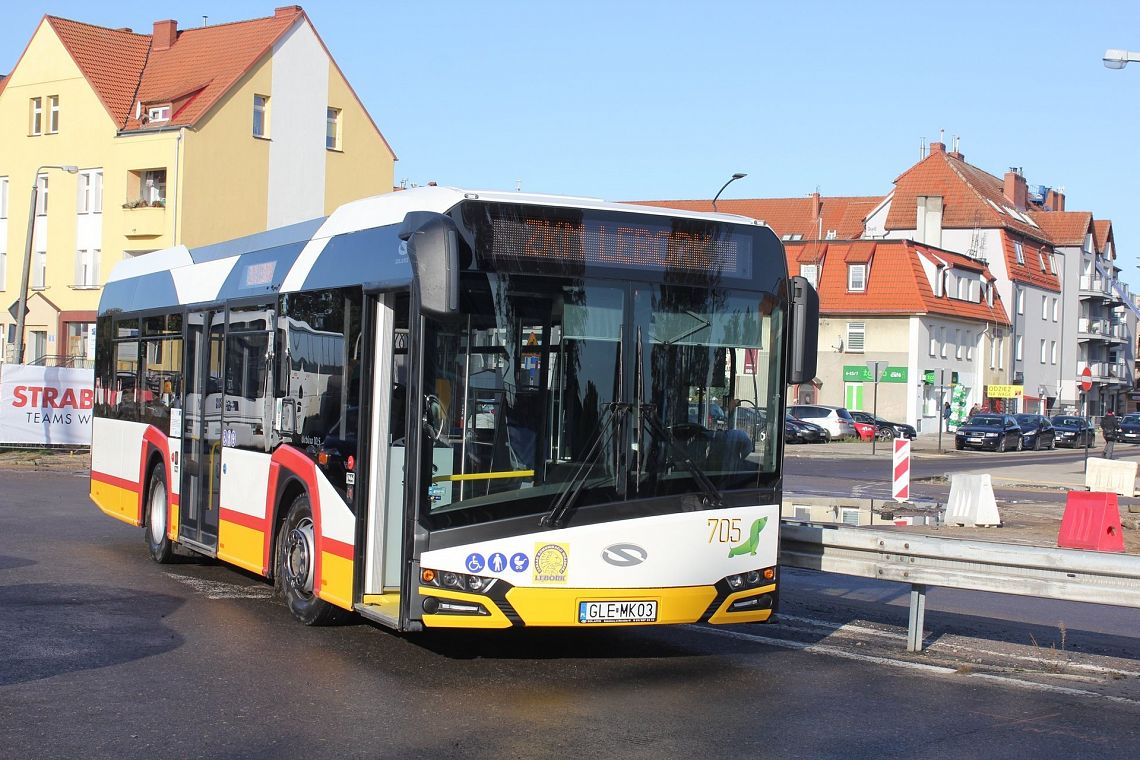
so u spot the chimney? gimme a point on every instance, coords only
(1015, 189)
(1055, 200)
(165, 33)
(287, 10)
(937, 147)
(815, 205)
(956, 153)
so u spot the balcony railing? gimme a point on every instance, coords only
(144, 221)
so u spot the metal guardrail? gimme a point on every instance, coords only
(921, 561)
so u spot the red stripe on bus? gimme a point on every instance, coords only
(111, 480)
(156, 437)
(304, 468)
(244, 520)
(338, 548)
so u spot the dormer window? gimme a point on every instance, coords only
(1018, 250)
(856, 278)
(810, 272)
(158, 113)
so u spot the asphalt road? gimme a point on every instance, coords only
(105, 654)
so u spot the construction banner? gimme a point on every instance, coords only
(46, 405)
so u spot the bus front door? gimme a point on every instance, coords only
(202, 438)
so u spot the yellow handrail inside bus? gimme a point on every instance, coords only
(484, 475)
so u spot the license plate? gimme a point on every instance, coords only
(625, 611)
(975, 440)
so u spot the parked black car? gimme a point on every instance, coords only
(1073, 431)
(998, 432)
(1128, 430)
(805, 432)
(885, 430)
(1036, 431)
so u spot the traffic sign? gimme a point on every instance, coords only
(1086, 379)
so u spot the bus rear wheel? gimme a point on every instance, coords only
(157, 542)
(296, 562)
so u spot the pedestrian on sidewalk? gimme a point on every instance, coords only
(1108, 428)
(946, 415)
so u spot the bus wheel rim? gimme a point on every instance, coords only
(299, 557)
(156, 515)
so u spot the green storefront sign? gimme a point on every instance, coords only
(854, 373)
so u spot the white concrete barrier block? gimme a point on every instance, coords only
(972, 501)
(1111, 476)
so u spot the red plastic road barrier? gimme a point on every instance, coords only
(1091, 521)
(901, 469)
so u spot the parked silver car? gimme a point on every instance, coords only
(836, 420)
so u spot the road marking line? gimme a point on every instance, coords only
(905, 664)
(221, 590)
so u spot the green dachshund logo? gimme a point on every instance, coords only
(749, 546)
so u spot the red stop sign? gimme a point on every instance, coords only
(1086, 379)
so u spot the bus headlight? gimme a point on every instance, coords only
(475, 584)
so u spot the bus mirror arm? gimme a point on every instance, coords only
(433, 251)
(803, 331)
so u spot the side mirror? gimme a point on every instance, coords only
(433, 250)
(803, 331)
(434, 417)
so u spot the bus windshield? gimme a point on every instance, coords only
(639, 389)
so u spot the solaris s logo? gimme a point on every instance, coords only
(624, 555)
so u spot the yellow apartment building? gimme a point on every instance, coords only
(136, 142)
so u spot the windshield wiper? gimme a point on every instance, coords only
(569, 495)
(712, 496)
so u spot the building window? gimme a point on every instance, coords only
(810, 272)
(1042, 350)
(158, 113)
(1044, 307)
(1056, 308)
(42, 195)
(1041, 259)
(1021, 302)
(36, 119)
(53, 114)
(957, 344)
(39, 270)
(1052, 263)
(87, 268)
(933, 343)
(1052, 352)
(849, 516)
(3, 198)
(1017, 347)
(942, 340)
(969, 346)
(146, 187)
(1001, 351)
(90, 192)
(856, 332)
(261, 116)
(332, 129)
(856, 278)
(963, 288)
(3, 267)
(1020, 253)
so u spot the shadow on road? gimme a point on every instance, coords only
(49, 629)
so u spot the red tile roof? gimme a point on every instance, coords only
(204, 63)
(112, 60)
(1102, 234)
(793, 216)
(1064, 228)
(896, 280)
(1036, 265)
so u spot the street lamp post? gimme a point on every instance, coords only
(733, 178)
(874, 365)
(22, 304)
(1118, 59)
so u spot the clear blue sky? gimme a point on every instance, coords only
(637, 100)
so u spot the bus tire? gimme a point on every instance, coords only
(157, 542)
(296, 555)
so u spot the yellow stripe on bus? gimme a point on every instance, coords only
(484, 476)
(336, 580)
(723, 617)
(559, 606)
(443, 620)
(120, 503)
(244, 547)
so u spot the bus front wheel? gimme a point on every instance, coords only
(296, 558)
(157, 542)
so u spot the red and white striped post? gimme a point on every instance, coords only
(901, 489)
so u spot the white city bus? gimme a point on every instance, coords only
(439, 408)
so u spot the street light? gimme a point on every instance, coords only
(22, 304)
(733, 178)
(1118, 59)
